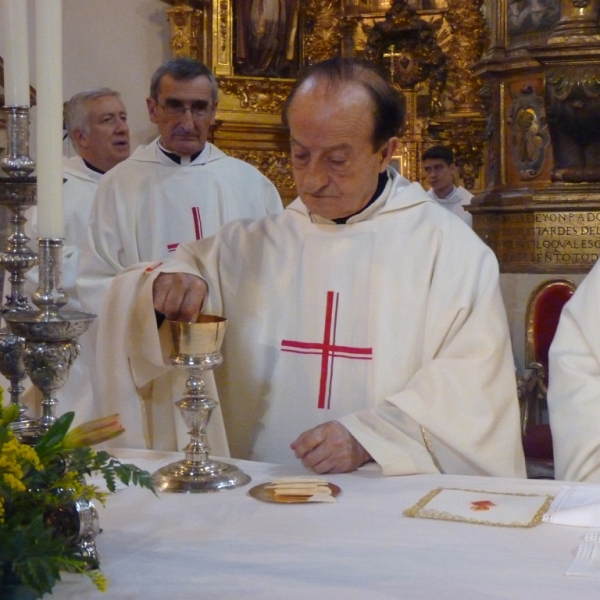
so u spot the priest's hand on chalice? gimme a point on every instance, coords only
(179, 296)
(330, 448)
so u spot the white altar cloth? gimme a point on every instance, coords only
(227, 545)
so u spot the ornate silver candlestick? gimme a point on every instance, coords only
(17, 192)
(17, 162)
(196, 347)
(50, 334)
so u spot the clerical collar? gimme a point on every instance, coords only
(180, 160)
(447, 197)
(381, 183)
(92, 167)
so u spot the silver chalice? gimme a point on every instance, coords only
(196, 347)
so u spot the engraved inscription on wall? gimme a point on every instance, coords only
(543, 241)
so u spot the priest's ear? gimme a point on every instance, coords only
(80, 139)
(386, 153)
(152, 105)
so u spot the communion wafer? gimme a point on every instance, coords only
(304, 491)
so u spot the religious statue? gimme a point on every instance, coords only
(266, 42)
(528, 16)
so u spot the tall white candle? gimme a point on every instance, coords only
(15, 52)
(48, 59)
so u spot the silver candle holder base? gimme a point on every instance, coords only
(196, 347)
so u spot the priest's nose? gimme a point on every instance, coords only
(187, 120)
(122, 126)
(314, 177)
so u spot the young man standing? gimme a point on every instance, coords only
(438, 162)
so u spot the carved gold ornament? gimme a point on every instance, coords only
(274, 165)
(258, 95)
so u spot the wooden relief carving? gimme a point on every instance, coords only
(529, 133)
(257, 95)
(185, 22)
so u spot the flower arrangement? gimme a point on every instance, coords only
(36, 482)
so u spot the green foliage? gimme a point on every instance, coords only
(34, 484)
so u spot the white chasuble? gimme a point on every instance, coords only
(574, 385)
(323, 343)
(393, 326)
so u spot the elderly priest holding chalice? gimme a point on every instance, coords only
(365, 323)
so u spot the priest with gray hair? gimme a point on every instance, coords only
(96, 123)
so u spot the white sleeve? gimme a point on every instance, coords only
(459, 413)
(100, 259)
(574, 385)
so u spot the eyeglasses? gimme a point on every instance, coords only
(175, 109)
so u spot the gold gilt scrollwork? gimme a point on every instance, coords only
(464, 124)
(275, 165)
(184, 20)
(323, 30)
(468, 40)
(258, 95)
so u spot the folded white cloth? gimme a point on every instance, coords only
(577, 506)
(587, 561)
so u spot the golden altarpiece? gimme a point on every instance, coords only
(256, 48)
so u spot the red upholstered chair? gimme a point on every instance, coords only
(541, 320)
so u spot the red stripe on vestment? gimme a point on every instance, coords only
(197, 222)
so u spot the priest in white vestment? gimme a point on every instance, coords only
(574, 385)
(178, 188)
(440, 170)
(365, 323)
(96, 122)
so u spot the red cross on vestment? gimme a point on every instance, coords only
(327, 349)
(197, 218)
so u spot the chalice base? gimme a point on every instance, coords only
(189, 477)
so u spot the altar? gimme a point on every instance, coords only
(228, 545)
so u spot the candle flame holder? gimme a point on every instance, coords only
(196, 347)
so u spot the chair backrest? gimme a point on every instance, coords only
(543, 313)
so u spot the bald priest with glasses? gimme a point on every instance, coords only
(178, 188)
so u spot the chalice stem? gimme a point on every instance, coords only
(196, 407)
(48, 412)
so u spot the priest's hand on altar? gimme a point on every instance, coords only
(179, 296)
(330, 448)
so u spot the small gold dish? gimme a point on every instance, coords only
(267, 494)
